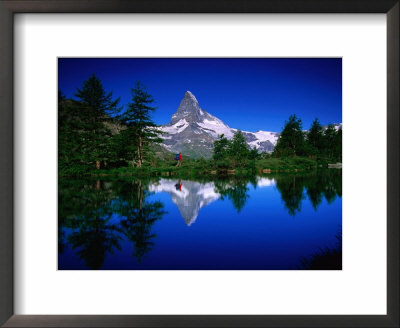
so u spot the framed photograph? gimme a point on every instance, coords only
(153, 173)
(199, 164)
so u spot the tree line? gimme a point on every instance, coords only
(316, 143)
(233, 153)
(95, 131)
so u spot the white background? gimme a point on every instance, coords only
(360, 288)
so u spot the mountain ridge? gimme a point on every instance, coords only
(192, 130)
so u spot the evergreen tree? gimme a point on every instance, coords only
(253, 155)
(64, 146)
(315, 137)
(338, 145)
(96, 107)
(141, 130)
(221, 148)
(93, 96)
(291, 139)
(61, 96)
(70, 150)
(264, 155)
(238, 150)
(330, 137)
(330, 134)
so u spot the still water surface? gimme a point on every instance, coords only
(274, 222)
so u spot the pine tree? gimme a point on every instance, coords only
(330, 136)
(96, 107)
(253, 155)
(238, 150)
(70, 130)
(315, 137)
(141, 129)
(338, 145)
(221, 147)
(93, 96)
(291, 139)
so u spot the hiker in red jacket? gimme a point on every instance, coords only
(180, 160)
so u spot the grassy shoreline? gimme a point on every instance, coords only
(202, 167)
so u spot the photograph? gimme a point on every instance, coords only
(199, 163)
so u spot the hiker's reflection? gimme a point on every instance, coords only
(178, 186)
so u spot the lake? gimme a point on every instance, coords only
(282, 221)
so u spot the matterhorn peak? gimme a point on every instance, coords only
(193, 131)
(189, 109)
(190, 95)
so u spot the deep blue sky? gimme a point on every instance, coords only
(249, 94)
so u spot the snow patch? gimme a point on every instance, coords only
(265, 182)
(215, 127)
(263, 136)
(178, 127)
(207, 192)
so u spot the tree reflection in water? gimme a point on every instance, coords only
(96, 217)
(291, 188)
(87, 220)
(138, 216)
(294, 188)
(235, 190)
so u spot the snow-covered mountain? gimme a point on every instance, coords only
(193, 131)
(191, 196)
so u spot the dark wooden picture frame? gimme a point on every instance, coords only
(10, 7)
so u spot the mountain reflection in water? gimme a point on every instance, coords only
(134, 224)
(191, 196)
